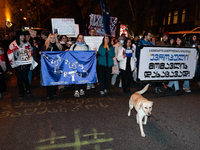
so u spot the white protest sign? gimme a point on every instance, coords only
(33, 33)
(93, 41)
(76, 31)
(63, 26)
(167, 63)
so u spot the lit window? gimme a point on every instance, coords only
(183, 16)
(175, 21)
(169, 18)
(164, 21)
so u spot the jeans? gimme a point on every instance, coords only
(175, 83)
(114, 77)
(90, 84)
(30, 76)
(186, 84)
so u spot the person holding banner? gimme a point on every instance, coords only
(91, 85)
(127, 62)
(63, 42)
(164, 42)
(80, 45)
(145, 40)
(176, 83)
(51, 44)
(106, 53)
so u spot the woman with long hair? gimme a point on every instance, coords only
(127, 62)
(179, 42)
(20, 58)
(106, 53)
(51, 44)
(63, 42)
(80, 45)
(66, 47)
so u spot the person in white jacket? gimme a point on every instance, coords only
(127, 64)
(80, 45)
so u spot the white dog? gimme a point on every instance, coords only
(142, 106)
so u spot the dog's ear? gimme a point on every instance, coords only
(151, 102)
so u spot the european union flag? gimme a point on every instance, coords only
(64, 68)
(106, 16)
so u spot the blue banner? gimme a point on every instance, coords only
(106, 17)
(72, 67)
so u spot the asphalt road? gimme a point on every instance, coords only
(97, 123)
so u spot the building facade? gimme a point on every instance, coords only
(172, 15)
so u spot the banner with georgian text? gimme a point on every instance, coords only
(167, 63)
(72, 67)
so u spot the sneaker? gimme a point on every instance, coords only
(82, 92)
(105, 91)
(92, 86)
(187, 90)
(88, 88)
(47, 97)
(76, 94)
(102, 93)
(54, 95)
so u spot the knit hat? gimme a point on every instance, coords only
(166, 34)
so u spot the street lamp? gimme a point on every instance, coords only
(24, 18)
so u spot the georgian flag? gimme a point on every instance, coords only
(2, 60)
(17, 62)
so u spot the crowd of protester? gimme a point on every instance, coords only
(115, 56)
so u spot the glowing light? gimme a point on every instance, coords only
(24, 18)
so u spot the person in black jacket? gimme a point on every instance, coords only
(51, 44)
(63, 42)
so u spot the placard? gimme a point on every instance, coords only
(96, 23)
(93, 41)
(76, 31)
(167, 63)
(63, 26)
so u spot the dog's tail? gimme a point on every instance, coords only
(144, 89)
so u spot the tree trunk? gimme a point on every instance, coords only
(134, 14)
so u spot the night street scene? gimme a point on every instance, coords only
(99, 75)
